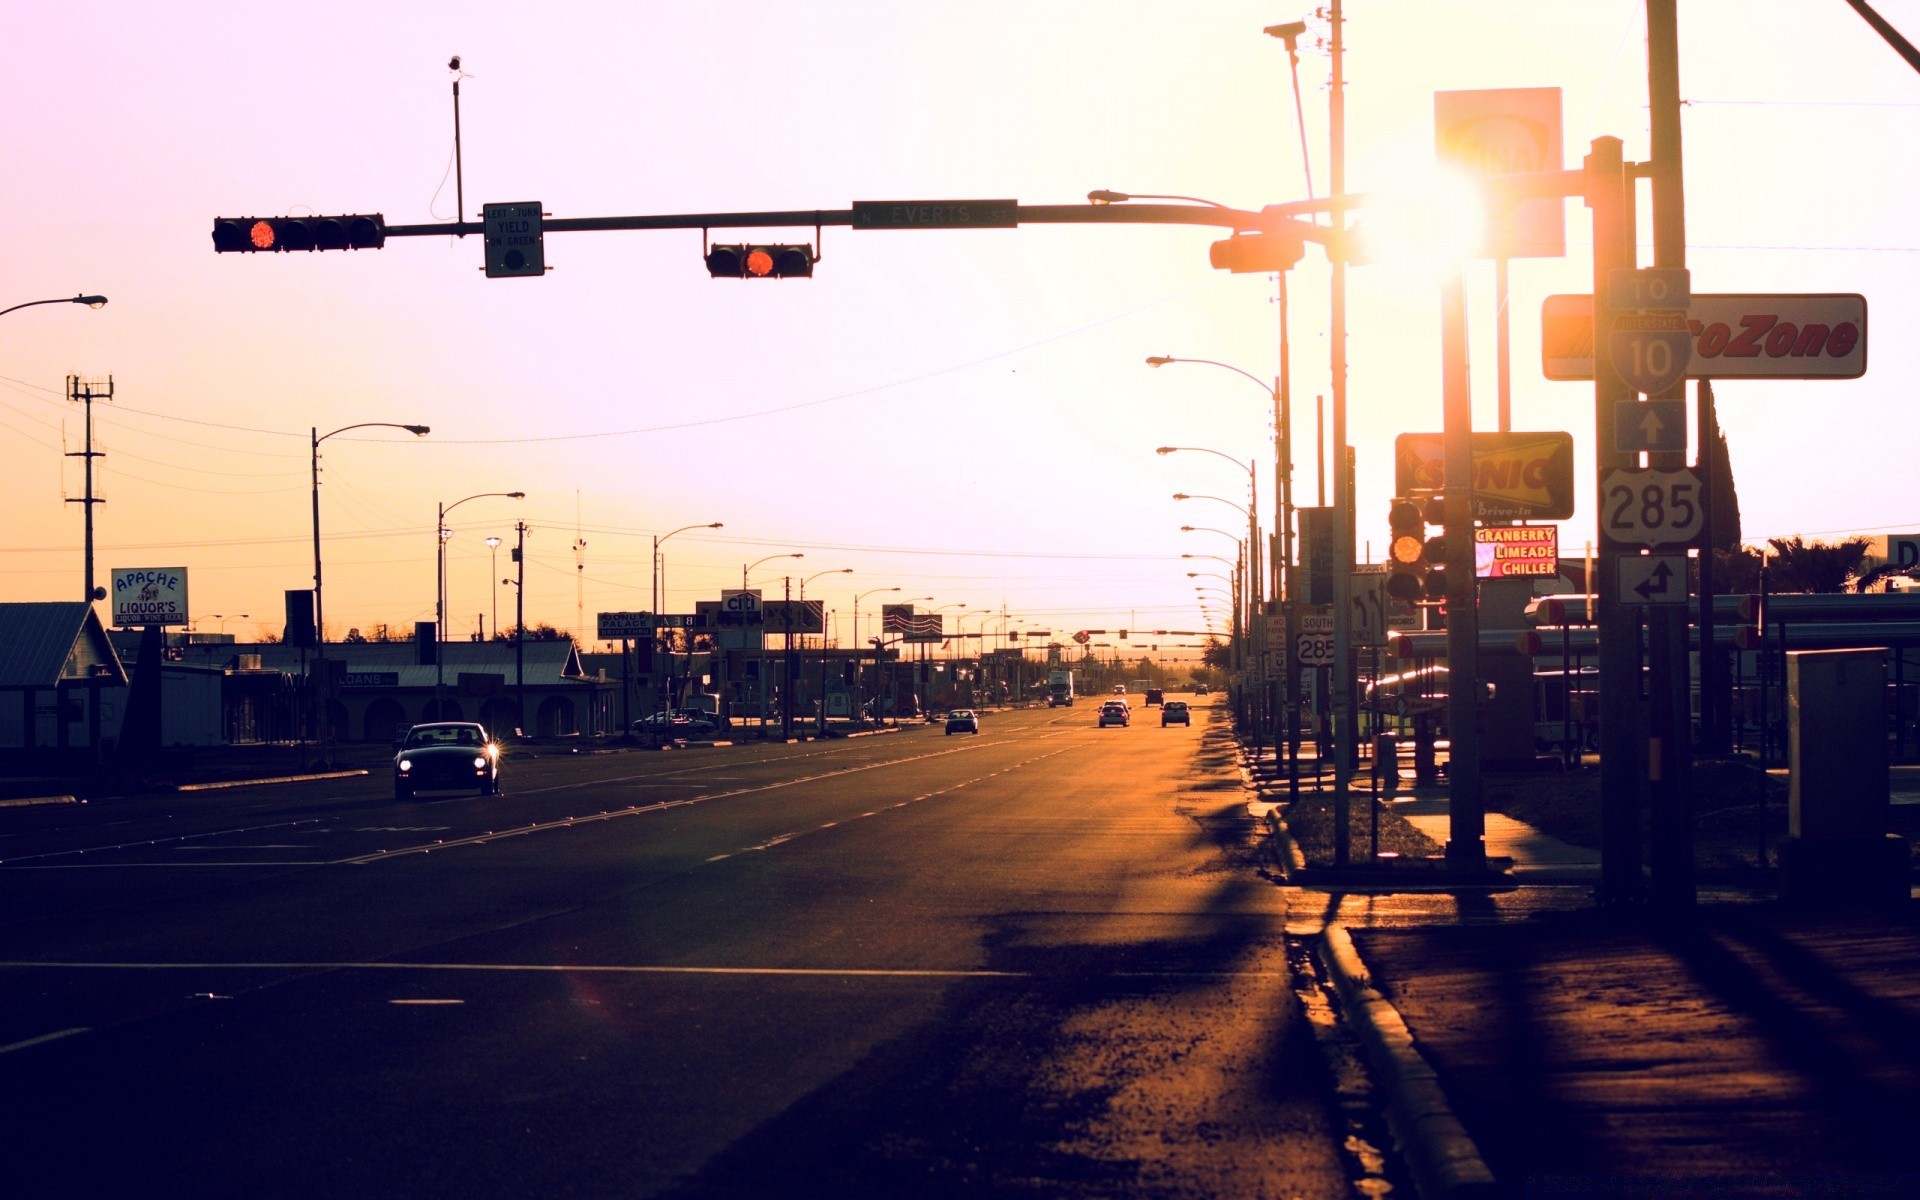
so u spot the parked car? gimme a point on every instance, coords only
(1115, 712)
(1156, 696)
(963, 720)
(1175, 712)
(683, 725)
(446, 754)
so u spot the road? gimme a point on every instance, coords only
(1042, 961)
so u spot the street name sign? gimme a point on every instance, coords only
(1814, 335)
(1650, 508)
(935, 214)
(149, 596)
(1651, 579)
(1653, 426)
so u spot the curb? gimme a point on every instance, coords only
(1445, 1163)
(31, 801)
(237, 783)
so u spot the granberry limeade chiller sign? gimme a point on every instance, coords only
(149, 596)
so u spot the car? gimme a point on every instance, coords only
(1203, 690)
(1119, 689)
(686, 725)
(1156, 696)
(963, 720)
(1115, 712)
(1175, 712)
(446, 754)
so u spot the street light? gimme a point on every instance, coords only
(656, 564)
(1239, 508)
(440, 593)
(493, 545)
(756, 562)
(89, 301)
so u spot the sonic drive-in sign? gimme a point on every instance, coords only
(1516, 476)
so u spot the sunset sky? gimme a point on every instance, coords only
(964, 415)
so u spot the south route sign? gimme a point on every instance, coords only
(1650, 508)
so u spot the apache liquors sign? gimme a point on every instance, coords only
(149, 596)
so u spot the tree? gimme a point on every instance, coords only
(1823, 567)
(1217, 654)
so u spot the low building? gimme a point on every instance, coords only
(58, 669)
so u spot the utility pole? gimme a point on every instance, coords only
(520, 627)
(1343, 730)
(82, 391)
(1669, 750)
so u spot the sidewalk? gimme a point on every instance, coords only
(1531, 1044)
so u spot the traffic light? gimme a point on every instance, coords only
(1406, 550)
(1246, 252)
(1436, 556)
(366, 231)
(760, 262)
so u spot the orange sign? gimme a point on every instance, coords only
(1516, 476)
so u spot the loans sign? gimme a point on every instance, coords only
(149, 596)
(1516, 476)
(1817, 335)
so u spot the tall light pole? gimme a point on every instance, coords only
(319, 593)
(441, 534)
(493, 545)
(858, 703)
(756, 562)
(1281, 569)
(654, 607)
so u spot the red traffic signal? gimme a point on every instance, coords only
(761, 262)
(1252, 252)
(363, 231)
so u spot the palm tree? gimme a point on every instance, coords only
(1824, 567)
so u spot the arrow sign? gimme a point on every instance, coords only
(1656, 579)
(1655, 426)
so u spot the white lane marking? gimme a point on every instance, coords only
(426, 1002)
(185, 837)
(174, 866)
(43, 1039)
(635, 810)
(609, 969)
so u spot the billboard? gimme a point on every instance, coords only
(149, 596)
(1507, 131)
(1816, 335)
(1516, 551)
(793, 616)
(1516, 476)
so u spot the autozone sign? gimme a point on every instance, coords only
(1516, 476)
(1810, 336)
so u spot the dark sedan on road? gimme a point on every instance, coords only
(1175, 712)
(1115, 712)
(446, 754)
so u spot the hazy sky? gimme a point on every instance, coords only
(964, 415)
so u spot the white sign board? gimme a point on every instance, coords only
(1816, 335)
(1507, 131)
(1650, 579)
(149, 596)
(624, 626)
(1650, 508)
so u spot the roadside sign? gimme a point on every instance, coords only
(1653, 426)
(935, 214)
(1516, 476)
(1516, 551)
(1815, 335)
(1651, 578)
(623, 626)
(1505, 131)
(1316, 555)
(1903, 549)
(794, 616)
(1314, 649)
(1650, 508)
(149, 596)
(1650, 351)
